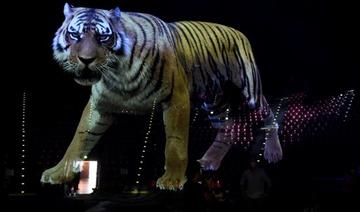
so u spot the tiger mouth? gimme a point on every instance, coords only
(87, 77)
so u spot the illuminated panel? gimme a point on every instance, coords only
(88, 177)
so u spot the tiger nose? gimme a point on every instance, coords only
(87, 61)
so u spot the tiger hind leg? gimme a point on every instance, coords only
(211, 160)
(272, 151)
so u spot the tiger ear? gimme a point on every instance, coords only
(116, 13)
(68, 10)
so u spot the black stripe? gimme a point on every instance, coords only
(199, 62)
(92, 133)
(59, 48)
(235, 32)
(150, 21)
(178, 44)
(157, 60)
(92, 11)
(132, 52)
(196, 59)
(144, 35)
(153, 27)
(245, 48)
(99, 20)
(210, 37)
(222, 39)
(186, 39)
(222, 34)
(195, 46)
(201, 32)
(82, 16)
(169, 96)
(223, 53)
(226, 61)
(199, 40)
(226, 32)
(255, 80)
(110, 83)
(215, 81)
(91, 140)
(58, 45)
(139, 71)
(240, 64)
(214, 69)
(204, 50)
(102, 123)
(160, 27)
(82, 12)
(121, 50)
(173, 137)
(246, 77)
(240, 57)
(159, 81)
(235, 45)
(259, 90)
(72, 29)
(168, 33)
(212, 63)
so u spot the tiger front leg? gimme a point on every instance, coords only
(92, 125)
(176, 120)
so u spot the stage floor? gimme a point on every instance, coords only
(162, 201)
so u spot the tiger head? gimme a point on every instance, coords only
(89, 43)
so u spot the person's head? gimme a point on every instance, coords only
(253, 163)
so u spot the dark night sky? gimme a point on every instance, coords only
(299, 45)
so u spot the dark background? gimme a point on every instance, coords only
(300, 45)
(297, 44)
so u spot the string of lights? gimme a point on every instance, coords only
(145, 145)
(23, 146)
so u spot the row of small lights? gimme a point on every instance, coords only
(227, 125)
(23, 141)
(91, 112)
(142, 156)
(328, 107)
(277, 112)
(231, 131)
(352, 95)
(276, 116)
(195, 116)
(146, 140)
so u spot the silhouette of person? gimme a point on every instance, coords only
(71, 187)
(255, 185)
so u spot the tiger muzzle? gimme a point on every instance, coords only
(87, 76)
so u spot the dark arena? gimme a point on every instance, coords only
(181, 106)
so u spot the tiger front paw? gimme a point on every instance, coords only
(171, 181)
(63, 172)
